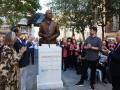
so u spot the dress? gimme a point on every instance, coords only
(9, 69)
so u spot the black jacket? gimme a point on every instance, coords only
(25, 58)
(115, 55)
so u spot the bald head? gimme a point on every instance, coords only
(48, 11)
(118, 36)
(48, 14)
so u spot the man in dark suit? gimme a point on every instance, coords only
(115, 65)
(24, 62)
(18, 45)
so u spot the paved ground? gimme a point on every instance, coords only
(69, 79)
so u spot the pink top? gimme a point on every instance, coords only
(74, 47)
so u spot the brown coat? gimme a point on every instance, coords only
(49, 37)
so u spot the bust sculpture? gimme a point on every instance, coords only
(49, 30)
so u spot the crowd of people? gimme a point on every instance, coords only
(17, 52)
(73, 54)
(91, 53)
(69, 53)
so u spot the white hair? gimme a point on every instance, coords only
(13, 36)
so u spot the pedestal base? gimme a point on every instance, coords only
(49, 67)
(49, 85)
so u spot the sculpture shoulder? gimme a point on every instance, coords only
(42, 24)
(55, 23)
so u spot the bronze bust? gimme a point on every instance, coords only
(49, 30)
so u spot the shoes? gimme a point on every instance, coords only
(64, 69)
(104, 81)
(81, 83)
(92, 86)
(78, 73)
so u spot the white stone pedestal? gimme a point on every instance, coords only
(49, 67)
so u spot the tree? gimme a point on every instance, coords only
(106, 9)
(113, 9)
(100, 13)
(77, 14)
(14, 10)
(1, 21)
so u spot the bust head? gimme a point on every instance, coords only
(48, 14)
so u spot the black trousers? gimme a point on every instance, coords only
(86, 64)
(74, 62)
(70, 61)
(115, 75)
(65, 63)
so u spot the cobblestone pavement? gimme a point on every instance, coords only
(69, 80)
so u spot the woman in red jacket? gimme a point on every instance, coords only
(74, 53)
(64, 55)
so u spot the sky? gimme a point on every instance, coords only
(43, 4)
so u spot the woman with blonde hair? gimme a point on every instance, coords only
(9, 62)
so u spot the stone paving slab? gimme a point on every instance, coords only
(69, 80)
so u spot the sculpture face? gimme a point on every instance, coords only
(49, 14)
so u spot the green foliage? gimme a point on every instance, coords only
(113, 8)
(76, 14)
(14, 10)
(1, 21)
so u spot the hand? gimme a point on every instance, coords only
(62, 45)
(105, 48)
(106, 51)
(88, 46)
(48, 39)
(85, 47)
(45, 36)
(23, 49)
(30, 39)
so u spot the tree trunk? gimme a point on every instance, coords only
(83, 35)
(103, 32)
(119, 20)
(65, 32)
(73, 33)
